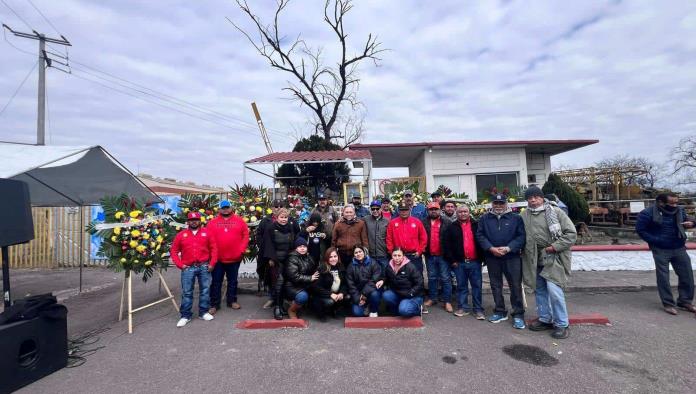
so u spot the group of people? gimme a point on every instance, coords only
(352, 262)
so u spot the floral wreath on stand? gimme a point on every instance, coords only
(134, 237)
(251, 203)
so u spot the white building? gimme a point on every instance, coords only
(473, 166)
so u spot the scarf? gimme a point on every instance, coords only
(551, 219)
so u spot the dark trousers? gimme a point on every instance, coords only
(277, 282)
(219, 272)
(417, 261)
(346, 258)
(511, 268)
(325, 306)
(681, 263)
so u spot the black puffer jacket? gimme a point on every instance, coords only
(278, 241)
(298, 273)
(361, 277)
(407, 283)
(322, 287)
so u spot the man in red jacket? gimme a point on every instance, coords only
(195, 253)
(407, 233)
(231, 235)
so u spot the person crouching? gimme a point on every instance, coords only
(330, 293)
(364, 278)
(300, 273)
(405, 283)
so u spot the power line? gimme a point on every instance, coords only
(18, 88)
(17, 15)
(44, 16)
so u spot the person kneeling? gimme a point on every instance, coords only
(330, 292)
(300, 273)
(405, 283)
(364, 278)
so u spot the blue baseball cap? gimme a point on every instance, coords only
(376, 203)
(225, 204)
(499, 198)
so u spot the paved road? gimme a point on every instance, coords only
(644, 350)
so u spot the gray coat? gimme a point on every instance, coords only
(556, 265)
(377, 235)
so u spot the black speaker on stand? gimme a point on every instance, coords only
(33, 340)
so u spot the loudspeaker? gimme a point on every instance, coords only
(30, 350)
(16, 226)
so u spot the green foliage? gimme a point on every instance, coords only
(578, 210)
(315, 176)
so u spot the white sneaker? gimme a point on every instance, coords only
(207, 317)
(373, 314)
(182, 322)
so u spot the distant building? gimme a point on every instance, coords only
(170, 186)
(473, 166)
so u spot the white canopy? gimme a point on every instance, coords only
(69, 175)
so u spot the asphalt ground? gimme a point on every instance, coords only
(643, 350)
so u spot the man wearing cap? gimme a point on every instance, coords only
(436, 197)
(501, 235)
(360, 210)
(232, 238)
(449, 209)
(328, 214)
(194, 252)
(386, 208)
(418, 211)
(546, 260)
(438, 269)
(407, 232)
(377, 234)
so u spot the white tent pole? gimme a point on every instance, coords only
(82, 238)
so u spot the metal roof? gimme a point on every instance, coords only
(314, 156)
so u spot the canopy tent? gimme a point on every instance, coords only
(69, 175)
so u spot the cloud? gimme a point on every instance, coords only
(621, 72)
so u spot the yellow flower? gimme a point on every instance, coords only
(148, 263)
(269, 211)
(133, 243)
(119, 215)
(259, 209)
(117, 230)
(146, 236)
(511, 199)
(203, 219)
(152, 245)
(246, 219)
(201, 210)
(134, 214)
(141, 248)
(210, 217)
(113, 239)
(123, 259)
(136, 261)
(252, 208)
(186, 210)
(160, 239)
(135, 233)
(158, 247)
(178, 228)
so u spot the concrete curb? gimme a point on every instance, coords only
(383, 322)
(271, 324)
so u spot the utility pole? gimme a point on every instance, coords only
(44, 61)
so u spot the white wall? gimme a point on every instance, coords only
(540, 165)
(617, 260)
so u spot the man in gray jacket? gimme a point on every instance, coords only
(546, 260)
(376, 225)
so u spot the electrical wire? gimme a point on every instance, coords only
(17, 15)
(18, 88)
(80, 348)
(45, 18)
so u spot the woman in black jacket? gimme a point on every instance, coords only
(278, 242)
(364, 278)
(300, 274)
(318, 239)
(405, 285)
(330, 292)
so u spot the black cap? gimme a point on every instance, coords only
(321, 196)
(499, 198)
(435, 193)
(533, 191)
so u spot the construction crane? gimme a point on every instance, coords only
(262, 128)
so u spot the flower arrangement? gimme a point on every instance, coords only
(206, 204)
(251, 203)
(134, 237)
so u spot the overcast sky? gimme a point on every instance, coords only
(623, 72)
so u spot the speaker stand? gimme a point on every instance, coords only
(127, 282)
(6, 277)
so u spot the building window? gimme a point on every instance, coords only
(531, 178)
(488, 184)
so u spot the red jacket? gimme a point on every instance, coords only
(407, 234)
(232, 237)
(194, 248)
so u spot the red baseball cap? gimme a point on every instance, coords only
(194, 216)
(433, 205)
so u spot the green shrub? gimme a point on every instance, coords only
(578, 210)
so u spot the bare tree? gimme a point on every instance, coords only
(635, 170)
(684, 161)
(330, 92)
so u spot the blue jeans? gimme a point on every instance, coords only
(301, 298)
(439, 273)
(383, 262)
(417, 261)
(550, 302)
(219, 272)
(373, 301)
(188, 281)
(469, 273)
(405, 307)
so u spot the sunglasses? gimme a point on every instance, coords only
(375, 209)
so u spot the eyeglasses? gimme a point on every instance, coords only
(277, 206)
(375, 209)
